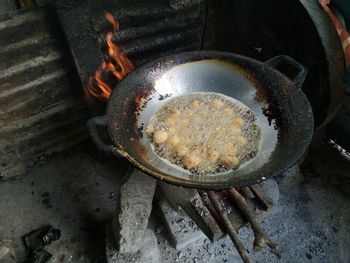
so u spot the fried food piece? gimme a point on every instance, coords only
(217, 104)
(211, 155)
(197, 149)
(181, 150)
(238, 121)
(160, 137)
(229, 111)
(169, 121)
(240, 140)
(173, 141)
(231, 149)
(150, 129)
(174, 112)
(196, 104)
(191, 160)
(230, 160)
(187, 112)
(171, 131)
(235, 130)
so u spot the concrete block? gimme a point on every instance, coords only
(182, 230)
(134, 208)
(7, 251)
(271, 189)
(3, 251)
(188, 202)
(148, 252)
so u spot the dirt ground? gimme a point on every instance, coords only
(76, 191)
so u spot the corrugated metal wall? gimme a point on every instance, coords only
(39, 112)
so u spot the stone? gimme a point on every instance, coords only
(182, 230)
(4, 250)
(7, 251)
(133, 210)
(148, 252)
(271, 189)
(215, 230)
(178, 196)
(188, 202)
(290, 178)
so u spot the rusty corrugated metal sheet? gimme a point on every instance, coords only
(39, 113)
(148, 29)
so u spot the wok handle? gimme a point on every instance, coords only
(289, 67)
(95, 136)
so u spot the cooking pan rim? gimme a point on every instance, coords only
(233, 181)
(218, 185)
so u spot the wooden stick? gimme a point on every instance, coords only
(261, 238)
(229, 228)
(246, 192)
(263, 200)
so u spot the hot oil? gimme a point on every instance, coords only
(206, 125)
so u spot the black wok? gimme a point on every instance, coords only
(281, 108)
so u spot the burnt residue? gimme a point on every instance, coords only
(274, 90)
(140, 100)
(165, 96)
(279, 109)
(140, 151)
(140, 131)
(124, 111)
(261, 93)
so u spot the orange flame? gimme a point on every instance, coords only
(110, 18)
(119, 67)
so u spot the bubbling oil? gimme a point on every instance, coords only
(205, 132)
